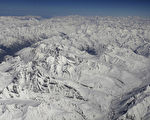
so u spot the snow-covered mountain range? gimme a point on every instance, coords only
(74, 68)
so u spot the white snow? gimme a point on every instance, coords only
(74, 68)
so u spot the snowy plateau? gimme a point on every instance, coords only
(74, 68)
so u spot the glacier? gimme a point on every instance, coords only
(74, 68)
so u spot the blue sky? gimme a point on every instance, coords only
(49, 8)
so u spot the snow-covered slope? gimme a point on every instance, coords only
(74, 68)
